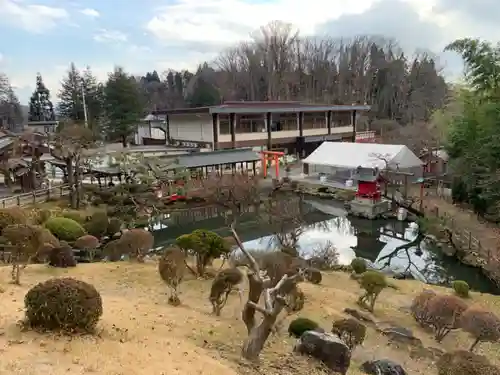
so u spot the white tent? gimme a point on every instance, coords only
(347, 155)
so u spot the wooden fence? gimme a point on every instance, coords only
(37, 196)
(462, 237)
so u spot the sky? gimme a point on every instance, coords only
(142, 35)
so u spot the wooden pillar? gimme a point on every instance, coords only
(329, 121)
(232, 127)
(215, 130)
(167, 131)
(254, 168)
(353, 126)
(268, 124)
(300, 119)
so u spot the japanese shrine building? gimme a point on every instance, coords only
(295, 126)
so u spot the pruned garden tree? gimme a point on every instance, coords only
(483, 325)
(71, 146)
(237, 194)
(25, 240)
(172, 269)
(274, 302)
(444, 314)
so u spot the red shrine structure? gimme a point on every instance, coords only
(362, 167)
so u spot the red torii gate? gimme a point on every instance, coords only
(271, 156)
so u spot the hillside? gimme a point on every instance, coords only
(141, 334)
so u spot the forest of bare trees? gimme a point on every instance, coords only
(279, 64)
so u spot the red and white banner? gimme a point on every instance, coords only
(365, 137)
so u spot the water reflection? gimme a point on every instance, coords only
(374, 240)
(352, 237)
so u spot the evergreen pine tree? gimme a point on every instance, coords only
(123, 106)
(70, 96)
(93, 98)
(40, 107)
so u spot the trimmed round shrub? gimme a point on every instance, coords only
(62, 256)
(313, 275)
(462, 362)
(12, 216)
(136, 243)
(351, 331)
(300, 325)
(358, 265)
(483, 325)
(86, 242)
(65, 229)
(63, 304)
(97, 225)
(461, 288)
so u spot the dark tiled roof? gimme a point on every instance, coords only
(202, 159)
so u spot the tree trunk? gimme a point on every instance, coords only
(77, 182)
(71, 182)
(255, 341)
(254, 292)
(124, 141)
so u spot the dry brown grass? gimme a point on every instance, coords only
(141, 334)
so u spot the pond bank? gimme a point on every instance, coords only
(351, 236)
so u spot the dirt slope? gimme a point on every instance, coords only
(141, 334)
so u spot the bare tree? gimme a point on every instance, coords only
(70, 146)
(274, 303)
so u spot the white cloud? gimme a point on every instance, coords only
(110, 36)
(90, 12)
(1, 58)
(31, 17)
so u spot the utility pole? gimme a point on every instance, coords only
(84, 106)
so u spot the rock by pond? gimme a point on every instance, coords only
(327, 348)
(383, 367)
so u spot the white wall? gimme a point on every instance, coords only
(143, 131)
(191, 127)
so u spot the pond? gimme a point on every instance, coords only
(351, 236)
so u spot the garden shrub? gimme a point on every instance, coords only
(26, 241)
(313, 275)
(62, 256)
(11, 216)
(419, 306)
(77, 216)
(461, 288)
(373, 282)
(295, 300)
(300, 325)
(483, 325)
(39, 217)
(114, 226)
(351, 331)
(445, 312)
(172, 268)
(97, 225)
(136, 243)
(358, 265)
(462, 362)
(113, 251)
(65, 229)
(86, 242)
(63, 304)
(205, 246)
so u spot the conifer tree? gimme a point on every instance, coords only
(40, 107)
